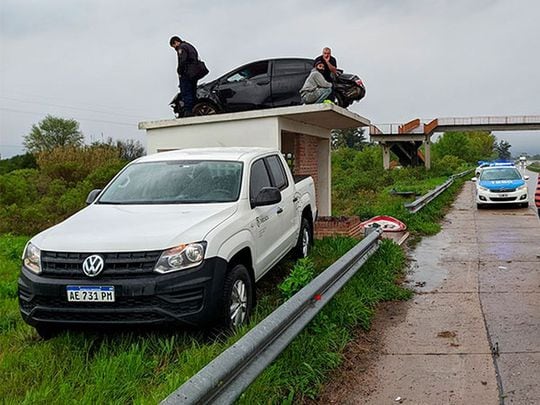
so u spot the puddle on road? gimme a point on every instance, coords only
(425, 272)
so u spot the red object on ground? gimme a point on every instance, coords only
(387, 223)
(537, 194)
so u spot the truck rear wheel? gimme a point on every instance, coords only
(237, 298)
(304, 243)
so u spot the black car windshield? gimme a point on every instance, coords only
(176, 182)
(503, 173)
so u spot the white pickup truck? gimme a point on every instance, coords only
(179, 236)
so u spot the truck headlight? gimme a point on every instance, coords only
(523, 187)
(32, 258)
(181, 257)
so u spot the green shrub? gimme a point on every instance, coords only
(26, 161)
(19, 187)
(449, 165)
(32, 200)
(301, 274)
(73, 164)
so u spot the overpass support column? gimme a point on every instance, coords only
(386, 155)
(427, 154)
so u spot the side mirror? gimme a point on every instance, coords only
(474, 179)
(526, 177)
(267, 196)
(92, 195)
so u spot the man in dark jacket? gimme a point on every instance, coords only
(330, 64)
(187, 54)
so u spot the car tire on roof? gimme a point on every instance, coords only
(205, 108)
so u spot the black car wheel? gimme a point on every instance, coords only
(341, 101)
(237, 298)
(304, 243)
(205, 108)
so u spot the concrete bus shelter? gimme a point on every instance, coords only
(301, 133)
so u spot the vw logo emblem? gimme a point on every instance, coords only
(93, 265)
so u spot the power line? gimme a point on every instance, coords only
(54, 99)
(65, 106)
(78, 118)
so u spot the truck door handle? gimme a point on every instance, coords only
(279, 210)
(295, 199)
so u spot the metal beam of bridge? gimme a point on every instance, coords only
(410, 134)
(505, 123)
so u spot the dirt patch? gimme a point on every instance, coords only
(359, 357)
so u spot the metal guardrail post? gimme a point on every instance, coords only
(224, 379)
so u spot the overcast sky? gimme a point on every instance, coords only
(108, 64)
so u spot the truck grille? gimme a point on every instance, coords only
(121, 265)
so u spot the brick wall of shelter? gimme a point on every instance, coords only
(306, 158)
(338, 226)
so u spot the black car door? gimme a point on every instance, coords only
(246, 88)
(288, 77)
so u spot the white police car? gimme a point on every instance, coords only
(501, 185)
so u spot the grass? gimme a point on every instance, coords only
(534, 167)
(145, 366)
(424, 222)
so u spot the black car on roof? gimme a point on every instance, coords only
(263, 84)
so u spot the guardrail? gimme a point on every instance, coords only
(224, 379)
(424, 200)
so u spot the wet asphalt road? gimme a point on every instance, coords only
(471, 335)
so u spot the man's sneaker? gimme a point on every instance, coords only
(328, 102)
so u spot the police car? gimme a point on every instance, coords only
(501, 185)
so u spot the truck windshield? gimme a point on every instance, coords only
(176, 182)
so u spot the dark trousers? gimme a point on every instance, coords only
(188, 90)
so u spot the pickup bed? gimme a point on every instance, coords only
(180, 236)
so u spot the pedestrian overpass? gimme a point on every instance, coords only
(406, 139)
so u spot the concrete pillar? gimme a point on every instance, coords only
(386, 156)
(309, 161)
(427, 152)
(325, 178)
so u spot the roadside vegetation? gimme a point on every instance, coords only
(45, 187)
(534, 167)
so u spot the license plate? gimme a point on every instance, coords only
(503, 195)
(78, 293)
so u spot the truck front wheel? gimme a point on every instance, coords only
(237, 297)
(304, 243)
(47, 332)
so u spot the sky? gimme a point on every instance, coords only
(108, 64)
